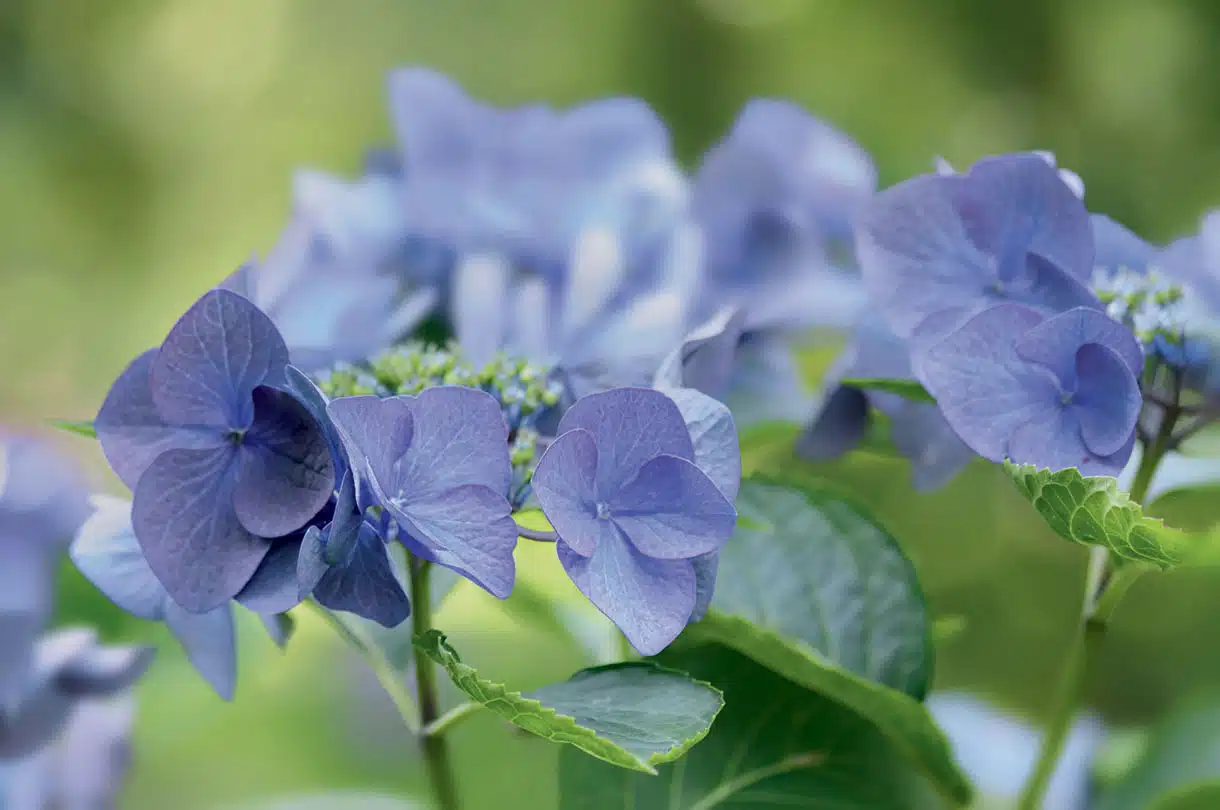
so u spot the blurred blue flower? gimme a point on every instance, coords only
(917, 429)
(1056, 392)
(777, 199)
(42, 502)
(938, 249)
(346, 277)
(219, 459)
(632, 508)
(438, 465)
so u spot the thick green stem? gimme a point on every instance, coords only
(435, 746)
(1105, 587)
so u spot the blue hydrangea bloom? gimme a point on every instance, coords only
(522, 183)
(346, 278)
(1056, 392)
(438, 466)
(1069, 177)
(220, 458)
(42, 502)
(634, 511)
(918, 430)
(938, 249)
(107, 553)
(69, 666)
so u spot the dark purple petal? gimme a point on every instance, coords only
(985, 390)
(309, 395)
(210, 644)
(651, 601)
(469, 529)
(364, 583)
(706, 568)
(629, 427)
(714, 437)
(131, 430)
(563, 482)
(342, 534)
(1055, 341)
(285, 473)
(212, 360)
(274, 588)
(184, 519)
(376, 432)
(1107, 399)
(460, 438)
(838, 426)
(107, 553)
(1050, 289)
(673, 511)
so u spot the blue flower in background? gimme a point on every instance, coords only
(42, 502)
(938, 249)
(918, 430)
(633, 510)
(1057, 392)
(219, 459)
(438, 465)
(777, 199)
(346, 277)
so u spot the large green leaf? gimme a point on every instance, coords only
(811, 587)
(1094, 511)
(907, 389)
(775, 745)
(1180, 767)
(635, 715)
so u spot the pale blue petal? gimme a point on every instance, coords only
(107, 553)
(460, 438)
(671, 510)
(210, 644)
(563, 482)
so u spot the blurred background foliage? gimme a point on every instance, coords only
(146, 149)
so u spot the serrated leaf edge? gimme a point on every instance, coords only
(434, 644)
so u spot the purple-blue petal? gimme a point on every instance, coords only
(469, 529)
(983, 387)
(1055, 341)
(672, 511)
(705, 359)
(184, 518)
(132, 431)
(921, 434)
(302, 387)
(706, 568)
(1107, 399)
(651, 601)
(210, 643)
(838, 426)
(107, 553)
(364, 583)
(713, 435)
(460, 438)
(376, 432)
(212, 360)
(629, 427)
(274, 588)
(563, 482)
(285, 473)
(1117, 247)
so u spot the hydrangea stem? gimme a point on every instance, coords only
(1105, 585)
(435, 746)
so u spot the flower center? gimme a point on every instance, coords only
(1065, 398)
(235, 436)
(603, 511)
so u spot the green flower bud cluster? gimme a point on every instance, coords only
(1150, 305)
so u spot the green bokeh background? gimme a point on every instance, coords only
(146, 149)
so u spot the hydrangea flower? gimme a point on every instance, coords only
(1057, 392)
(1069, 177)
(345, 278)
(938, 249)
(775, 198)
(523, 183)
(221, 459)
(917, 429)
(69, 666)
(42, 502)
(437, 464)
(635, 514)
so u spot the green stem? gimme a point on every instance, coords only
(451, 718)
(389, 678)
(435, 746)
(1105, 587)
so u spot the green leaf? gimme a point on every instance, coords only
(1094, 511)
(1180, 767)
(80, 428)
(775, 745)
(635, 715)
(907, 389)
(811, 587)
